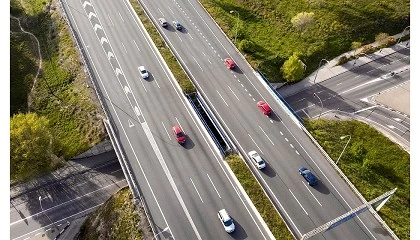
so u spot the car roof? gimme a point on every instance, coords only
(224, 214)
(177, 128)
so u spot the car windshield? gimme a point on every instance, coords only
(143, 71)
(180, 134)
(228, 223)
(260, 161)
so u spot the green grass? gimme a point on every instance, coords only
(258, 197)
(182, 79)
(115, 219)
(60, 94)
(373, 164)
(338, 23)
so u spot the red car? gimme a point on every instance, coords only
(179, 134)
(264, 107)
(229, 63)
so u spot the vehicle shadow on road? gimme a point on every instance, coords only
(239, 232)
(270, 172)
(320, 187)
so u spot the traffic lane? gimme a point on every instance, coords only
(155, 183)
(286, 170)
(57, 211)
(65, 190)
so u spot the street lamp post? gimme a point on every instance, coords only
(164, 230)
(402, 34)
(319, 65)
(237, 23)
(322, 105)
(42, 209)
(342, 137)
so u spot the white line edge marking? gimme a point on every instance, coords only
(298, 202)
(256, 144)
(169, 136)
(233, 93)
(222, 98)
(196, 191)
(306, 185)
(214, 186)
(266, 135)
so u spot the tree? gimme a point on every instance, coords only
(303, 20)
(31, 145)
(293, 69)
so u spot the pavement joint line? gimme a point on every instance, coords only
(45, 210)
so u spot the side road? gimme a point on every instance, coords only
(331, 69)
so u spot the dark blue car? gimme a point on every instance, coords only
(308, 175)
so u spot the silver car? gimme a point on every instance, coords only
(256, 159)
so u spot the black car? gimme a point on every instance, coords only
(308, 175)
(177, 25)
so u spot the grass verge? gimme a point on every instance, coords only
(60, 93)
(337, 23)
(373, 164)
(258, 197)
(182, 79)
(117, 218)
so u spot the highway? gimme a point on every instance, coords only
(232, 95)
(352, 92)
(183, 186)
(64, 200)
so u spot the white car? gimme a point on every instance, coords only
(143, 72)
(256, 159)
(226, 220)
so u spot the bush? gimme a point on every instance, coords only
(342, 60)
(247, 46)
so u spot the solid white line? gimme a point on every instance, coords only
(169, 136)
(124, 47)
(364, 109)
(156, 81)
(287, 140)
(47, 209)
(196, 190)
(213, 186)
(161, 13)
(136, 45)
(256, 144)
(27, 238)
(190, 35)
(306, 185)
(233, 93)
(222, 98)
(298, 201)
(110, 20)
(171, 10)
(121, 17)
(36, 234)
(198, 64)
(209, 61)
(266, 135)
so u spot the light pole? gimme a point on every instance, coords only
(164, 230)
(322, 105)
(358, 56)
(39, 198)
(402, 34)
(237, 23)
(342, 137)
(304, 65)
(319, 65)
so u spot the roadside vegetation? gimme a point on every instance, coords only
(60, 95)
(270, 32)
(258, 197)
(173, 64)
(117, 218)
(373, 163)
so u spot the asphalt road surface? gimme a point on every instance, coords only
(232, 95)
(352, 92)
(64, 200)
(183, 186)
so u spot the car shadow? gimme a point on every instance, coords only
(320, 187)
(170, 28)
(189, 144)
(239, 232)
(268, 170)
(273, 116)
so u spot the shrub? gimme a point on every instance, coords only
(247, 46)
(303, 20)
(342, 60)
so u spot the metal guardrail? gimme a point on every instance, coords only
(206, 126)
